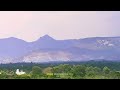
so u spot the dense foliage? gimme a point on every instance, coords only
(62, 70)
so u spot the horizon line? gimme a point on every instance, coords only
(61, 39)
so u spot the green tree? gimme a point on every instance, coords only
(67, 68)
(78, 70)
(62, 68)
(106, 70)
(36, 70)
(90, 71)
(115, 75)
(93, 72)
(48, 70)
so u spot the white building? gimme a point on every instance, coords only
(20, 72)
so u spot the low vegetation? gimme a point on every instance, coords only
(69, 70)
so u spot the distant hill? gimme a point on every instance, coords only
(47, 49)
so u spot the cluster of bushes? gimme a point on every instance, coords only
(63, 71)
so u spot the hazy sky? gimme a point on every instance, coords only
(30, 25)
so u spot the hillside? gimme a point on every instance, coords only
(47, 49)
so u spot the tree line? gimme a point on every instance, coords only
(91, 70)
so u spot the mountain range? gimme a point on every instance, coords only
(47, 49)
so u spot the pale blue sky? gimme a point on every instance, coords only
(30, 25)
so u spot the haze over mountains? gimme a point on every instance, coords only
(47, 49)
